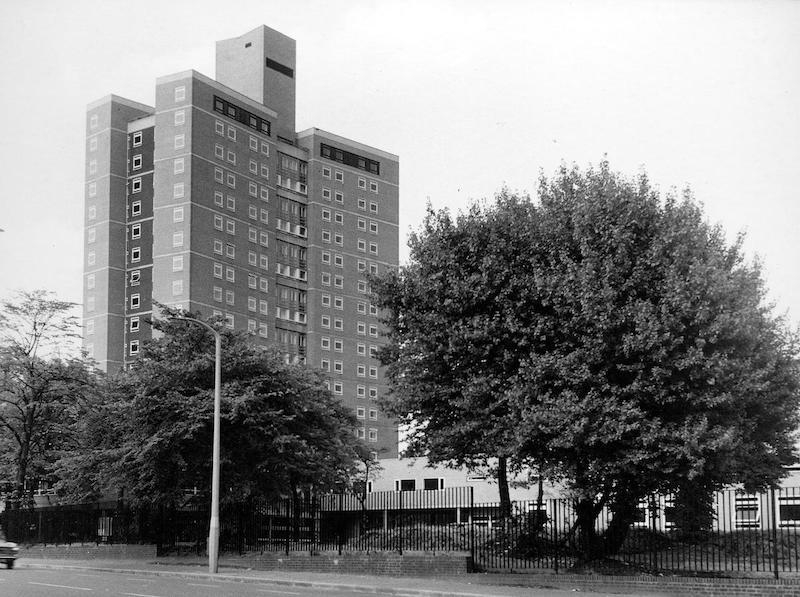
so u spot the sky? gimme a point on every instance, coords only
(472, 96)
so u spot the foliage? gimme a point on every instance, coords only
(612, 338)
(282, 430)
(40, 391)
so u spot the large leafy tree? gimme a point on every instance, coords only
(282, 430)
(611, 337)
(42, 388)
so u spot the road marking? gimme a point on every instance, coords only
(44, 584)
(280, 592)
(198, 585)
(139, 595)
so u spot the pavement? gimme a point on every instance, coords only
(468, 585)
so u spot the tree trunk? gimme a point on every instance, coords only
(588, 544)
(623, 514)
(502, 484)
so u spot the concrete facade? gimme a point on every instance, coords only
(210, 202)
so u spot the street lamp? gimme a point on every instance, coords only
(213, 529)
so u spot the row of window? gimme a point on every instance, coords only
(349, 158)
(338, 368)
(239, 114)
(254, 144)
(338, 176)
(338, 303)
(338, 325)
(338, 346)
(372, 436)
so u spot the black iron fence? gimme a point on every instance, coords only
(743, 533)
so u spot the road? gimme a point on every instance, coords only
(23, 582)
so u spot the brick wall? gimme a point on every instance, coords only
(388, 564)
(88, 551)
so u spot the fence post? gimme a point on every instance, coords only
(401, 522)
(472, 526)
(773, 508)
(340, 522)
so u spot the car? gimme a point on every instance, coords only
(8, 551)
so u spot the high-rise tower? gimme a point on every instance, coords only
(211, 202)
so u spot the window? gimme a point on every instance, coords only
(432, 484)
(134, 277)
(362, 286)
(362, 183)
(90, 304)
(134, 325)
(326, 279)
(219, 175)
(230, 203)
(373, 207)
(135, 300)
(325, 257)
(136, 185)
(230, 274)
(177, 287)
(92, 189)
(252, 212)
(325, 343)
(338, 261)
(262, 330)
(231, 181)
(231, 133)
(373, 372)
(264, 194)
(373, 414)
(253, 143)
(338, 281)
(373, 393)
(361, 413)
(373, 227)
(373, 310)
(177, 214)
(180, 141)
(219, 151)
(362, 204)
(218, 198)
(362, 244)
(361, 349)
(326, 300)
(326, 321)
(90, 281)
(218, 270)
(326, 236)
(337, 388)
(179, 118)
(339, 176)
(251, 326)
(362, 308)
(253, 167)
(747, 511)
(231, 157)
(338, 367)
(326, 194)
(373, 186)
(338, 302)
(373, 248)
(178, 190)
(136, 231)
(373, 351)
(263, 285)
(338, 324)
(136, 254)
(264, 148)
(338, 345)
(337, 238)
(338, 218)
(362, 224)
(263, 306)
(180, 93)
(325, 365)
(326, 215)
(177, 263)
(373, 268)
(326, 172)
(178, 166)
(91, 234)
(361, 328)
(229, 297)
(93, 121)
(230, 227)
(229, 321)
(361, 391)
(219, 127)
(218, 222)
(360, 433)
(264, 170)
(373, 331)
(134, 347)
(339, 197)
(217, 293)
(405, 485)
(177, 239)
(136, 163)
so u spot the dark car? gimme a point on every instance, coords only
(8, 551)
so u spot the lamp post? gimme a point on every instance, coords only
(213, 529)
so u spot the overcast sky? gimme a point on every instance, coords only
(471, 95)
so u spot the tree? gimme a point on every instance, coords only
(611, 337)
(452, 315)
(40, 391)
(282, 430)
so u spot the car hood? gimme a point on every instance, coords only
(7, 544)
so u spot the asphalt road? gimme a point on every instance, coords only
(22, 582)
